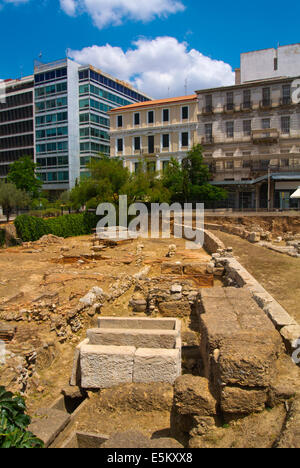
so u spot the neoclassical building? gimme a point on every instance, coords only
(154, 131)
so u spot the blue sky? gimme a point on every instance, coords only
(158, 45)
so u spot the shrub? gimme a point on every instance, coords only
(14, 423)
(2, 237)
(31, 228)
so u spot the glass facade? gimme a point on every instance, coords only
(60, 130)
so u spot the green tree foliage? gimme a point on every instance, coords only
(12, 198)
(22, 173)
(107, 177)
(145, 186)
(14, 423)
(189, 182)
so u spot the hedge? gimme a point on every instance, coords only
(32, 228)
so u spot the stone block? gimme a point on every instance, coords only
(106, 366)
(192, 396)
(248, 358)
(291, 335)
(278, 315)
(172, 268)
(48, 423)
(75, 379)
(235, 400)
(137, 338)
(175, 308)
(139, 323)
(194, 269)
(162, 365)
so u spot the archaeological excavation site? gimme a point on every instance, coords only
(145, 343)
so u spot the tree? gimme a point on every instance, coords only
(14, 423)
(189, 182)
(106, 178)
(145, 186)
(12, 198)
(22, 173)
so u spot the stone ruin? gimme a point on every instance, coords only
(125, 350)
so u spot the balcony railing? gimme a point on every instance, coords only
(265, 104)
(229, 107)
(247, 105)
(286, 101)
(208, 110)
(267, 135)
(207, 140)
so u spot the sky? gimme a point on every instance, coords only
(162, 47)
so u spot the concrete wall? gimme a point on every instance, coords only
(260, 64)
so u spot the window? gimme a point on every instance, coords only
(120, 121)
(286, 94)
(247, 127)
(185, 113)
(136, 119)
(166, 141)
(285, 162)
(228, 164)
(247, 98)
(185, 139)
(266, 95)
(208, 103)
(285, 124)
(166, 116)
(150, 117)
(229, 100)
(137, 143)
(265, 123)
(230, 129)
(208, 131)
(120, 145)
(151, 144)
(275, 63)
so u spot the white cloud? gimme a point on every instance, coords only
(106, 12)
(158, 67)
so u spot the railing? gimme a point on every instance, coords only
(229, 107)
(286, 101)
(208, 109)
(207, 140)
(266, 135)
(247, 105)
(265, 103)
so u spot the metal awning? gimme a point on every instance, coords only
(274, 176)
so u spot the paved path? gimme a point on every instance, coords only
(278, 273)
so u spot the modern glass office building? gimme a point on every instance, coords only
(16, 122)
(71, 118)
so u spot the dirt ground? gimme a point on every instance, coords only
(279, 274)
(30, 271)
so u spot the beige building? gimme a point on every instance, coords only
(250, 135)
(154, 131)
